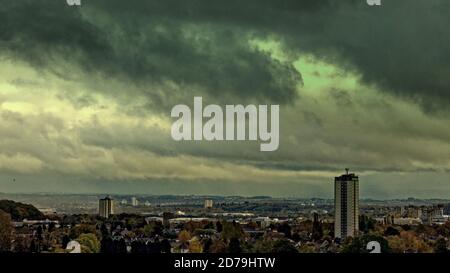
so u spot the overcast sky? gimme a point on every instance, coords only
(86, 94)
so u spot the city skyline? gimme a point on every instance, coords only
(86, 94)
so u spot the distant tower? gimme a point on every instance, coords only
(208, 204)
(346, 205)
(106, 207)
(134, 202)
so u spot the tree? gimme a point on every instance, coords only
(148, 230)
(19, 211)
(262, 245)
(408, 241)
(444, 230)
(391, 231)
(234, 246)
(207, 246)
(131, 223)
(218, 246)
(138, 247)
(359, 244)
(65, 241)
(76, 231)
(22, 244)
(184, 236)
(285, 228)
(317, 230)
(165, 246)
(6, 232)
(119, 246)
(51, 227)
(231, 230)
(219, 226)
(283, 246)
(209, 225)
(104, 231)
(191, 226)
(39, 233)
(153, 229)
(107, 245)
(33, 246)
(89, 243)
(366, 224)
(309, 247)
(195, 246)
(440, 246)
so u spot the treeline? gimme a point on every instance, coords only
(20, 211)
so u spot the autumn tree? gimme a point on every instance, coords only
(77, 230)
(408, 241)
(218, 246)
(89, 243)
(195, 246)
(184, 236)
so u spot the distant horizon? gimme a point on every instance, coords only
(87, 93)
(216, 195)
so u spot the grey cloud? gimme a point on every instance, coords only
(202, 45)
(146, 51)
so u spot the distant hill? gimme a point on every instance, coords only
(20, 211)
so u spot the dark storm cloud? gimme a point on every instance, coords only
(402, 46)
(143, 50)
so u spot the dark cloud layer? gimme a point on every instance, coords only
(143, 50)
(202, 46)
